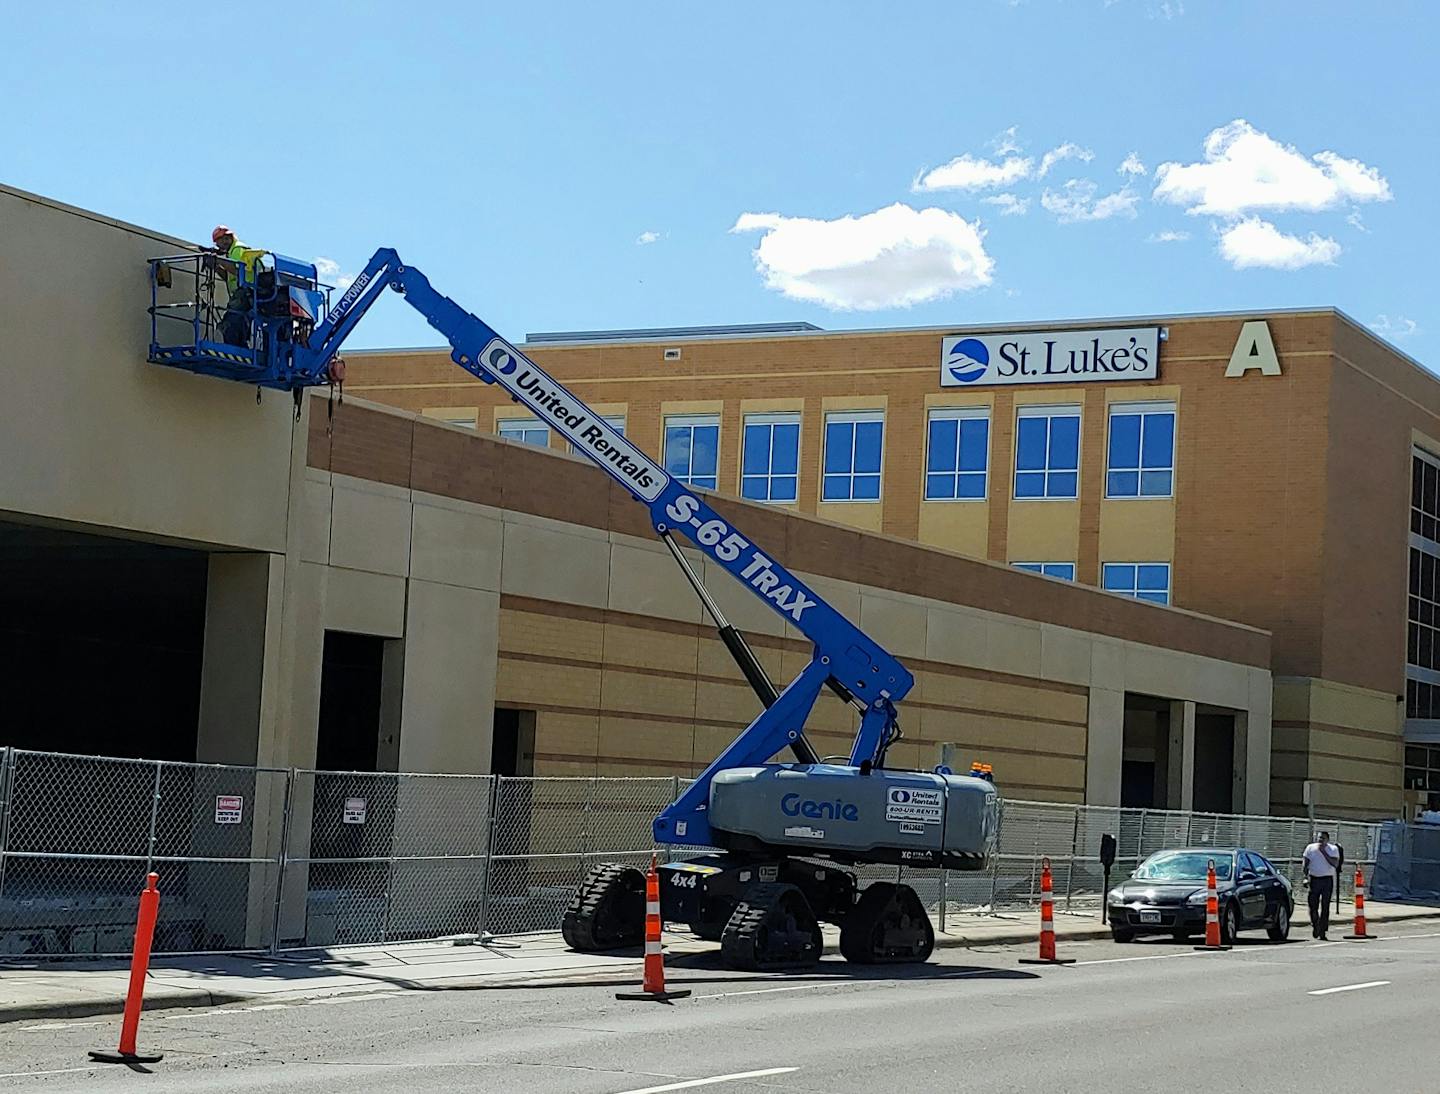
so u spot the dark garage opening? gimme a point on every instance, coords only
(101, 642)
(351, 685)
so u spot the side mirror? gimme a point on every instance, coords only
(1248, 875)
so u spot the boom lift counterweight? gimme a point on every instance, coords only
(759, 895)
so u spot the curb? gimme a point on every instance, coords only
(102, 1006)
(196, 998)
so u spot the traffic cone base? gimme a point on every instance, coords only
(1212, 949)
(653, 996)
(126, 1057)
(1047, 961)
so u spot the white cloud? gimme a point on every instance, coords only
(1246, 170)
(969, 172)
(1006, 143)
(1132, 165)
(1396, 328)
(1067, 151)
(645, 238)
(1168, 237)
(330, 273)
(1253, 242)
(1076, 201)
(1356, 221)
(1008, 204)
(893, 257)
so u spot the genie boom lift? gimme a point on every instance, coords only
(780, 834)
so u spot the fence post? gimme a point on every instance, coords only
(944, 894)
(7, 781)
(154, 818)
(283, 861)
(483, 928)
(1074, 850)
(390, 865)
(1140, 839)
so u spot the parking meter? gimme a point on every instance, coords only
(1107, 860)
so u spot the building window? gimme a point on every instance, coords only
(1142, 451)
(1142, 580)
(692, 450)
(1049, 569)
(614, 421)
(1047, 451)
(1422, 652)
(770, 461)
(525, 430)
(467, 421)
(854, 441)
(1422, 770)
(957, 453)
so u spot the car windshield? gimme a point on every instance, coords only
(1182, 866)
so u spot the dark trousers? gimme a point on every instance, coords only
(1321, 890)
(235, 326)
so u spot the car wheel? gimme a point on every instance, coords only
(1229, 925)
(1119, 934)
(1279, 931)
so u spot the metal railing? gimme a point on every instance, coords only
(269, 858)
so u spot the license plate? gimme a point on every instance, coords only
(1149, 917)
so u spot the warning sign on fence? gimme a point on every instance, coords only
(229, 808)
(354, 811)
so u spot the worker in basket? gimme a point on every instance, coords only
(235, 326)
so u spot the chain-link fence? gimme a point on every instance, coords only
(260, 858)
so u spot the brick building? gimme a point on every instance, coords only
(1279, 469)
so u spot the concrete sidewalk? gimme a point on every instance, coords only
(80, 988)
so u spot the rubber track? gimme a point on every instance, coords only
(737, 943)
(577, 926)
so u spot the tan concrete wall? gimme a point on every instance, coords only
(94, 435)
(1347, 739)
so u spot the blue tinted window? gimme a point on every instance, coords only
(853, 446)
(1142, 580)
(1047, 453)
(1064, 570)
(1141, 452)
(770, 457)
(526, 431)
(692, 450)
(958, 454)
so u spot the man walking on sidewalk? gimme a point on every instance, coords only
(1321, 859)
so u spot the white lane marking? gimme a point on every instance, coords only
(57, 1071)
(269, 1006)
(47, 1026)
(691, 1083)
(1351, 987)
(763, 991)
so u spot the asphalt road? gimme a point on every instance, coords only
(1305, 1016)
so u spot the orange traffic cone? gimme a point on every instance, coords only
(1360, 935)
(652, 987)
(1212, 912)
(1047, 922)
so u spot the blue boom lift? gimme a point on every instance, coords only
(776, 830)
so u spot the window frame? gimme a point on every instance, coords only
(851, 418)
(528, 425)
(957, 414)
(691, 422)
(1048, 411)
(1133, 591)
(770, 419)
(1141, 409)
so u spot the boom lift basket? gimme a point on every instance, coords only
(251, 334)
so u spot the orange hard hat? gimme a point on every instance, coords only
(219, 233)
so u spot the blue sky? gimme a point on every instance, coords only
(569, 166)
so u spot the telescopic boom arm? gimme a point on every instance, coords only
(846, 658)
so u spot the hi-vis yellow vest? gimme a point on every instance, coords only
(247, 257)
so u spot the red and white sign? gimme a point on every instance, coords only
(354, 811)
(229, 808)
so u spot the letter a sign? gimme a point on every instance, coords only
(1254, 349)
